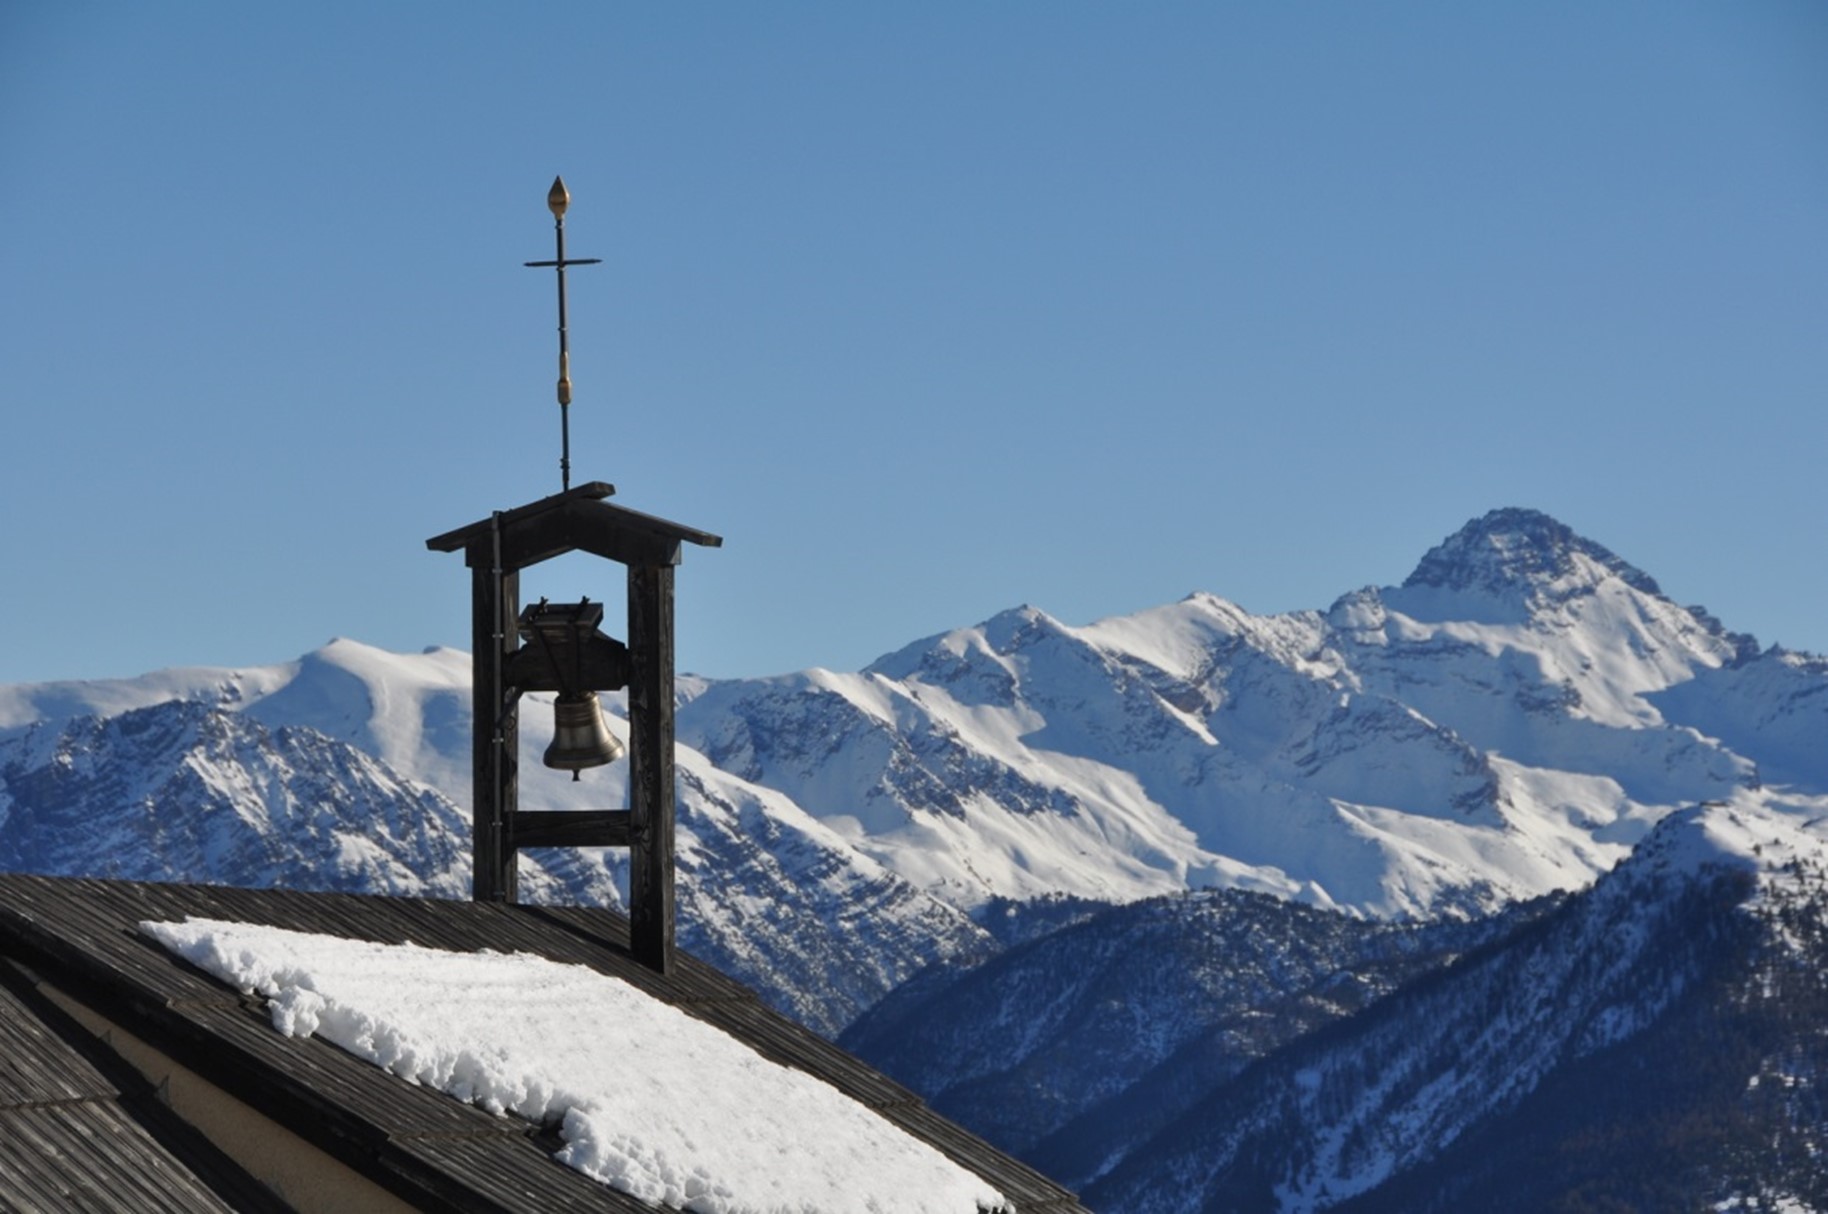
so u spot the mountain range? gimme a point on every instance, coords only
(1509, 721)
(1196, 908)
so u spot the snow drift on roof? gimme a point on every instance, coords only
(648, 1099)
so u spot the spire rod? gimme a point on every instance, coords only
(557, 200)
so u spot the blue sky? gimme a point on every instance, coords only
(930, 310)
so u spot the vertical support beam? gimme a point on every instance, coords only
(495, 736)
(508, 750)
(651, 791)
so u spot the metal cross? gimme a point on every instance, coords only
(557, 199)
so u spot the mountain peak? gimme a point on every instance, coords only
(1512, 548)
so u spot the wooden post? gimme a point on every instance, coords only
(495, 766)
(651, 791)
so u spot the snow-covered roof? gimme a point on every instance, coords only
(712, 1051)
(648, 1099)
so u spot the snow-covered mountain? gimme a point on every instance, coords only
(349, 770)
(184, 790)
(1507, 722)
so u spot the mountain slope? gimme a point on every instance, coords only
(184, 791)
(1508, 1073)
(1075, 1047)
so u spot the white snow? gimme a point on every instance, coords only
(649, 1100)
(1765, 1204)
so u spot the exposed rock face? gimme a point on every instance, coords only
(185, 791)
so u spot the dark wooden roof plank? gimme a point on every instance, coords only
(599, 927)
(39, 1067)
(95, 935)
(1020, 1183)
(94, 1158)
(370, 1119)
(606, 514)
(518, 1176)
(188, 1149)
(345, 915)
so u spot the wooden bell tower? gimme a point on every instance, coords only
(564, 651)
(504, 667)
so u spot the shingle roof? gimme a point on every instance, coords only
(434, 1151)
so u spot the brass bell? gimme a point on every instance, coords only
(580, 737)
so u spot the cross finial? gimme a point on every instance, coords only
(558, 199)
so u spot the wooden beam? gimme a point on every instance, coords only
(651, 792)
(571, 828)
(608, 516)
(495, 734)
